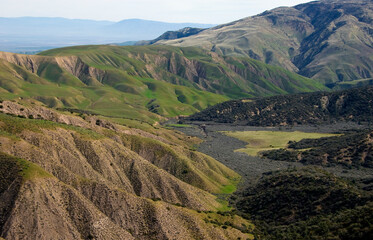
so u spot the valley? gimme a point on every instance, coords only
(272, 187)
(259, 141)
(259, 128)
(224, 148)
(322, 155)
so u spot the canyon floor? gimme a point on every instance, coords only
(222, 148)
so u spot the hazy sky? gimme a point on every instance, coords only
(201, 11)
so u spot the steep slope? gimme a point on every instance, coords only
(232, 77)
(141, 82)
(102, 152)
(70, 82)
(79, 180)
(322, 107)
(329, 40)
(39, 196)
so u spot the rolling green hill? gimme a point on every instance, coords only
(329, 40)
(193, 67)
(142, 82)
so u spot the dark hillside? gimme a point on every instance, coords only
(293, 195)
(169, 35)
(351, 150)
(312, 108)
(308, 204)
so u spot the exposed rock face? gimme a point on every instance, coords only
(36, 112)
(53, 210)
(27, 61)
(73, 65)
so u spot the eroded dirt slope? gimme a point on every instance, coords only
(83, 179)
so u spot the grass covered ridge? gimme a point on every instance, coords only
(141, 82)
(11, 165)
(193, 67)
(166, 149)
(11, 126)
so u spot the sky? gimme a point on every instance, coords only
(195, 11)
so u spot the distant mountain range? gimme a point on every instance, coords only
(28, 34)
(329, 40)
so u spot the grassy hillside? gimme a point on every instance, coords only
(70, 83)
(141, 83)
(259, 141)
(193, 67)
(329, 40)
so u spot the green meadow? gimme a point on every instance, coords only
(268, 140)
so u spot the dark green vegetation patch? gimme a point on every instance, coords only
(311, 108)
(308, 204)
(351, 150)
